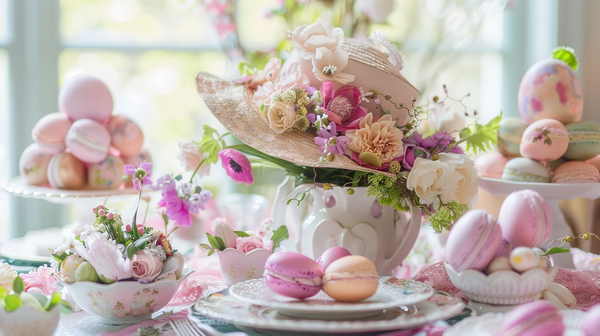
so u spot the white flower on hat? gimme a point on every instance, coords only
(328, 65)
(308, 38)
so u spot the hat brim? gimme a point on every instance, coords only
(240, 116)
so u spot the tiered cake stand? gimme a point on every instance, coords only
(552, 192)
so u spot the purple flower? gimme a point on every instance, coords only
(176, 209)
(140, 175)
(198, 201)
(329, 142)
(237, 166)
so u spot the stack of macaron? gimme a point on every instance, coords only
(84, 145)
(548, 143)
(341, 275)
(480, 242)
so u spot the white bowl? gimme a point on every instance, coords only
(124, 302)
(27, 321)
(502, 287)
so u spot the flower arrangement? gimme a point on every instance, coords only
(428, 168)
(245, 241)
(109, 250)
(19, 297)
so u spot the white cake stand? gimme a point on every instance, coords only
(552, 192)
(84, 200)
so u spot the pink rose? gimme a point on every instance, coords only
(190, 157)
(247, 244)
(146, 266)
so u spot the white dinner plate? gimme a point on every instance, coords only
(391, 292)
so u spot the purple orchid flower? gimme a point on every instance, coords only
(323, 140)
(140, 175)
(237, 166)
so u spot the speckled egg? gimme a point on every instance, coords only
(550, 90)
(107, 174)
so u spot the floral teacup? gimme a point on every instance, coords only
(124, 302)
(27, 321)
(237, 266)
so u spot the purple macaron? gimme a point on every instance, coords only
(473, 241)
(293, 275)
(533, 319)
(332, 254)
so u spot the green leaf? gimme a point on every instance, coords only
(556, 250)
(210, 252)
(3, 292)
(197, 190)
(60, 257)
(205, 246)
(279, 235)
(142, 241)
(216, 242)
(12, 302)
(481, 137)
(566, 55)
(18, 285)
(131, 250)
(65, 307)
(178, 177)
(54, 300)
(241, 234)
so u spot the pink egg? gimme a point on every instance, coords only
(544, 140)
(332, 254)
(550, 90)
(88, 140)
(50, 132)
(491, 165)
(33, 165)
(86, 97)
(65, 171)
(107, 174)
(473, 241)
(526, 219)
(126, 136)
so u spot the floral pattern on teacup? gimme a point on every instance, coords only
(143, 304)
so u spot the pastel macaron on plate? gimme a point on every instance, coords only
(321, 306)
(525, 170)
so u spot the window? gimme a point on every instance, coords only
(148, 52)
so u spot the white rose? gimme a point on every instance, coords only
(376, 10)
(190, 157)
(307, 38)
(450, 178)
(445, 119)
(281, 117)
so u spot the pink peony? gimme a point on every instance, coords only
(105, 257)
(247, 244)
(145, 266)
(342, 106)
(40, 281)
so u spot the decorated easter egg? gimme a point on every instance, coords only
(550, 90)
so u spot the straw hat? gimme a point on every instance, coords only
(373, 70)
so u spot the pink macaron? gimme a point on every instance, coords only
(65, 171)
(526, 219)
(293, 275)
(545, 140)
(33, 165)
(126, 136)
(473, 241)
(591, 321)
(88, 140)
(50, 132)
(107, 174)
(491, 165)
(576, 172)
(332, 254)
(86, 97)
(535, 318)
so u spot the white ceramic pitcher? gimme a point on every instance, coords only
(356, 222)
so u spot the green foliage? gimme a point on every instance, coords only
(60, 257)
(246, 69)
(241, 234)
(211, 144)
(54, 300)
(3, 292)
(566, 55)
(18, 285)
(12, 302)
(447, 215)
(481, 137)
(137, 245)
(279, 235)
(556, 250)
(216, 242)
(390, 190)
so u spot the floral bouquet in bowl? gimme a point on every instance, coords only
(121, 273)
(242, 254)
